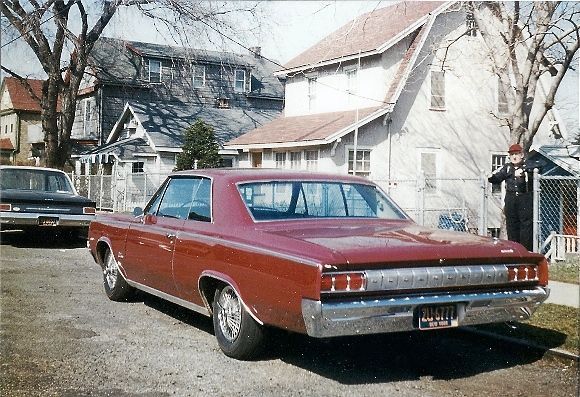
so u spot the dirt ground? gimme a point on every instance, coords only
(61, 336)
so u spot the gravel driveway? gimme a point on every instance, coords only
(61, 336)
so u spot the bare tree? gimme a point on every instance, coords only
(62, 35)
(530, 44)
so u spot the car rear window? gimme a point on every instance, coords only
(275, 200)
(39, 180)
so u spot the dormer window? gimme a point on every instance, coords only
(154, 71)
(240, 80)
(223, 103)
(198, 76)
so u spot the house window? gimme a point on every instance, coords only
(351, 83)
(502, 100)
(311, 160)
(428, 164)
(223, 103)
(497, 161)
(87, 116)
(198, 76)
(280, 158)
(138, 167)
(311, 92)
(470, 24)
(362, 165)
(437, 90)
(295, 160)
(240, 83)
(154, 71)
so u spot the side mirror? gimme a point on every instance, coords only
(137, 211)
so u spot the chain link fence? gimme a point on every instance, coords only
(556, 220)
(465, 205)
(118, 192)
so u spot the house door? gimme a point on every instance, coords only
(257, 159)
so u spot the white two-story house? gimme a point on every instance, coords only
(398, 93)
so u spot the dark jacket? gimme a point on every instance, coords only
(521, 184)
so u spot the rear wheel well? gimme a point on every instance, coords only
(207, 286)
(102, 248)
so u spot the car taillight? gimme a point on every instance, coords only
(5, 207)
(524, 272)
(89, 210)
(343, 282)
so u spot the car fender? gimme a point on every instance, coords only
(105, 241)
(224, 278)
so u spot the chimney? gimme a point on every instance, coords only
(256, 51)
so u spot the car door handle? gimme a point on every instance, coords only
(170, 235)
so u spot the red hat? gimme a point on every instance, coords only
(515, 148)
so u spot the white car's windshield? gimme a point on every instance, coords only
(30, 179)
(275, 200)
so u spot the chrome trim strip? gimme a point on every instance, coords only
(438, 277)
(382, 315)
(170, 298)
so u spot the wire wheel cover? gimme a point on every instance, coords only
(111, 271)
(229, 314)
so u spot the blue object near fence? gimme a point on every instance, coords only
(453, 221)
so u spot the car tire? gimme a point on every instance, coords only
(116, 286)
(238, 334)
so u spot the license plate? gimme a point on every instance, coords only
(47, 221)
(431, 317)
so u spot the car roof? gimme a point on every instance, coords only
(24, 167)
(235, 175)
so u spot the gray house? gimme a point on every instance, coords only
(143, 96)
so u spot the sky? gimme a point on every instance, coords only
(289, 27)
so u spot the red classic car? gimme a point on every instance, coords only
(324, 255)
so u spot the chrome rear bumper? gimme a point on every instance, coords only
(372, 316)
(28, 219)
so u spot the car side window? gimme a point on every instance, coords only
(177, 198)
(201, 204)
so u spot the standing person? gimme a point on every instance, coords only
(519, 197)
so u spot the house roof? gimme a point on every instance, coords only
(163, 124)
(166, 122)
(6, 144)
(19, 95)
(313, 128)
(118, 61)
(125, 149)
(372, 32)
(560, 157)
